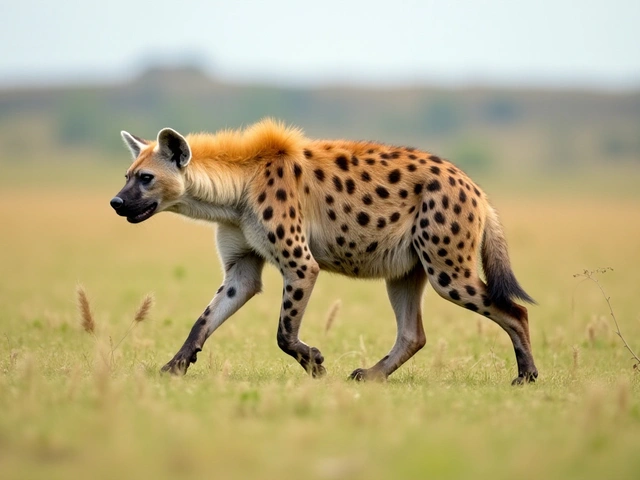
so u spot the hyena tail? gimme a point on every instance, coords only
(502, 286)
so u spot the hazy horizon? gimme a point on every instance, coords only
(548, 44)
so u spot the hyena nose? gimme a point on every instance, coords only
(116, 203)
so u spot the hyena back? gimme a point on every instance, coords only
(361, 209)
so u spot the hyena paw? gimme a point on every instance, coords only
(315, 367)
(179, 364)
(362, 374)
(526, 377)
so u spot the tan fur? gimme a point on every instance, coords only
(361, 209)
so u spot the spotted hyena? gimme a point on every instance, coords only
(361, 209)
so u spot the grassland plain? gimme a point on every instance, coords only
(70, 408)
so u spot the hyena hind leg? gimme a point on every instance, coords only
(471, 293)
(405, 295)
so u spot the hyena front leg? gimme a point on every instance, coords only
(242, 281)
(298, 285)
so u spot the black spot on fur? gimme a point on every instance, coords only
(297, 170)
(319, 173)
(344, 227)
(367, 200)
(231, 292)
(435, 239)
(417, 188)
(292, 212)
(382, 192)
(363, 218)
(452, 181)
(365, 177)
(462, 196)
(470, 290)
(372, 247)
(455, 228)
(262, 197)
(267, 213)
(350, 186)
(444, 279)
(272, 237)
(435, 170)
(337, 183)
(381, 223)
(346, 208)
(280, 172)
(445, 202)
(342, 163)
(470, 217)
(442, 252)
(434, 186)
(340, 241)
(471, 306)
(439, 218)
(403, 193)
(424, 223)
(394, 217)
(298, 294)
(435, 158)
(280, 232)
(281, 195)
(411, 167)
(332, 215)
(308, 153)
(329, 199)
(297, 252)
(354, 161)
(454, 295)
(300, 273)
(394, 176)
(457, 209)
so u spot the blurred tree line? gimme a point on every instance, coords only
(479, 129)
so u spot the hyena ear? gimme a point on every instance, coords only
(135, 144)
(174, 147)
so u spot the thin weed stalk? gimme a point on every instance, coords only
(592, 275)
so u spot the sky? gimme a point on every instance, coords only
(560, 43)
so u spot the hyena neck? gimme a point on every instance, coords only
(215, 195)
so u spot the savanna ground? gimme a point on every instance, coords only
(71, 406)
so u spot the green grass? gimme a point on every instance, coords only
(68, 408)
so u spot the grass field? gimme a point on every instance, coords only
(72, 406)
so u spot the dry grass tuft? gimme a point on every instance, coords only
(144, 308)
(84, 307)
(331, 315)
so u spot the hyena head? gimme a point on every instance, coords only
(155, 180)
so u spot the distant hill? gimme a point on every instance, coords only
(479, 128)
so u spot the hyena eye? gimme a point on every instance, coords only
(145, 178)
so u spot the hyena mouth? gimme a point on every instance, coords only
(142, 216)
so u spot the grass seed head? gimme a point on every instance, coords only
(84, 308)
(144, 308)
